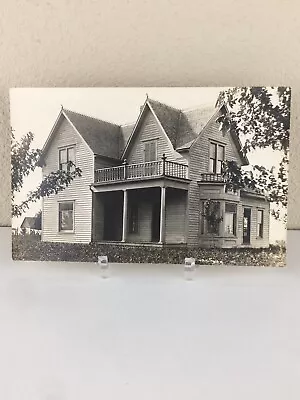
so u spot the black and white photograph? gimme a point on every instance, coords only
(150, 175)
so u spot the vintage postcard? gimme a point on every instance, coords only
(150, 175)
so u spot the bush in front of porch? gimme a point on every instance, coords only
(78, 252)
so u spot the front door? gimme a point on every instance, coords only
(155, 226)
(246, 225)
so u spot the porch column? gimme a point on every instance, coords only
(162, 215)
(125, 203)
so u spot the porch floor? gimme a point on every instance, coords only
(141, 244)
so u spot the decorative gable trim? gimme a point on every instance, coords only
(76, 130)
(160, 125)
(53, 132)
(133, 134)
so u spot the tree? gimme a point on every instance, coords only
(24, 160)
(260, 117)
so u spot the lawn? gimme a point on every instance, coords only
(31, 248)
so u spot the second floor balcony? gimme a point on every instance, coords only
(152, 169)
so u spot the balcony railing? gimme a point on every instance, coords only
(212, 178)
(142, 170)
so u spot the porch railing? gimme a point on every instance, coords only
(212, 178)
(143, 170)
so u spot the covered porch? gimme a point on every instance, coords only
(150, 215)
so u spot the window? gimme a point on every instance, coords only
(150, 151)
(216, 158)
(260, 220)
(210, 220)
(230, 219)
(66, 216)
(133, 218)
(67, 159)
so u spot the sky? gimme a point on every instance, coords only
(36, 109)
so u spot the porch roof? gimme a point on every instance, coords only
(146, 182)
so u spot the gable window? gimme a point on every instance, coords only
(67, 159)
(150, 151)
(260, 220)
(230, 219)
(66, 216)
(133, 218)
(216, 158)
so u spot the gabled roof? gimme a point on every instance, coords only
(104, 138)
(126, 131)
(168, 117)
(191, 123)
(31, 223)
(107, 139)
(182, 127)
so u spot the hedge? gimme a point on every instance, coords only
(78, 252)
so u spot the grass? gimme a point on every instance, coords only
(31, 248)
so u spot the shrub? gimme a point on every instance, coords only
(47, 251)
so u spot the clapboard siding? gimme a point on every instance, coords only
(150, 129)
(176, 202)
(199, 163)
(78, 191)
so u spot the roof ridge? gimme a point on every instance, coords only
(199, 107)
(89, 116)
(164, 104)
(127, 124)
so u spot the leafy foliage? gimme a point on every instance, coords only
(34, 249)
(261, 117)
(24, 160)
(261, 114)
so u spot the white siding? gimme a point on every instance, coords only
(199, 163)
(78, 191)
(150, 129)
(176, 202)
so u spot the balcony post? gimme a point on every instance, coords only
(125, 168)
(162, 215)
(125, 207)
(164, 164)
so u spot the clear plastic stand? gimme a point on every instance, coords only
(104, 266)
(189, 268)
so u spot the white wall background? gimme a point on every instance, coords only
(146, 333)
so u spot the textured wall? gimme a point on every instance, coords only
(163, 43)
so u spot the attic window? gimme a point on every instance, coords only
(150, 151)
(67, 159)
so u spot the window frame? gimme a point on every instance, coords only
(260, 225)
(73, 216)
(204, 225)
(215, 159)
(234, 220)
(148, 143)
(70, 168)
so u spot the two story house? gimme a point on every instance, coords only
(147, 182)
